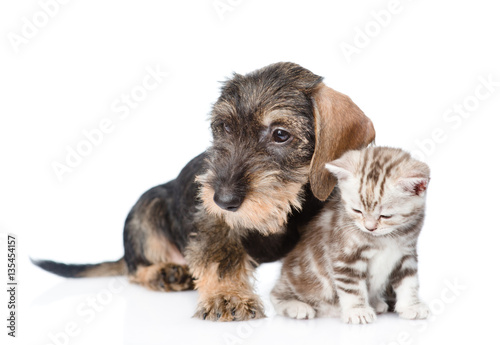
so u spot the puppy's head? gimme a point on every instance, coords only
(273, 131)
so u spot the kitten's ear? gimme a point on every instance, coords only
(339, 172)
(417, 178)
(414, 185)
(344, 167)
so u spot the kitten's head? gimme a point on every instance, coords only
(383, 189)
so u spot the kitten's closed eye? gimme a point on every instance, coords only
(357, 211)
(385, 216)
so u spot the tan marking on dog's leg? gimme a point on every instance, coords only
(227, 299)
(158, 249)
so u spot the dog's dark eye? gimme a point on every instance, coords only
(219, 127)
(280, 135)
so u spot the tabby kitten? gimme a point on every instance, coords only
(362, 244)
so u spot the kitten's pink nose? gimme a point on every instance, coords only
(370, 225)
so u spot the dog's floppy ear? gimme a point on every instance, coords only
(339, 126)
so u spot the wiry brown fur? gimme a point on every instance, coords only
(266, 206)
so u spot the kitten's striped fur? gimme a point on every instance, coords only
(362, 244)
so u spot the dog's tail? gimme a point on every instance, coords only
(103, 269)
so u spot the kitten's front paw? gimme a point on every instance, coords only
(381, 307)
(359, 315)
(415, 312)
(295, 309)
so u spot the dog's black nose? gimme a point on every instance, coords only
(228, 201)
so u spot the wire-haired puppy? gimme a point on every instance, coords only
(243, 201)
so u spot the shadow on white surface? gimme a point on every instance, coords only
(111, 310)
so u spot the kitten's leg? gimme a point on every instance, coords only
(350, 283)
(294, 308)
(379, 304)
(286, 304)
(405, 283)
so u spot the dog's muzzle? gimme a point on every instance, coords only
(228, 201)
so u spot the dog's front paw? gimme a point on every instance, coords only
(230, 308)
(417, 311)
(357, 316)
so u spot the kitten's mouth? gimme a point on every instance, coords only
(376, 232)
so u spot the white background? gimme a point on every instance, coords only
(427, 58)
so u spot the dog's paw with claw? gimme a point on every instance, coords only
(358, 316)
(230, 308)
(171, 277)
